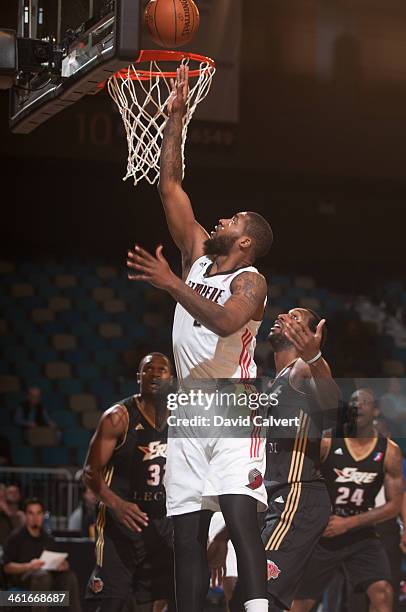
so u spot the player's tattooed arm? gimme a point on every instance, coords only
(247, 301)
(109, 434)
(187, 233)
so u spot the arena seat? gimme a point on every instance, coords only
(20, 290)
(64, 418)
(42, 436)
(58, 370)
(102, 294)
(90, 419)
(7, 267)
(23, 455)
(69, 385)
(59, 303)
(110, 330)
(9, 383)
(65, 281)
(87, 371)
(41, 315)
(106, 272)
(77, 437)
(57, 456)
(82, 402)
(63, 342)
(392, 367)
(114, 306)
(305, 282)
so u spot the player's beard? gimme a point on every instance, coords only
(279, 342)
(218, 245)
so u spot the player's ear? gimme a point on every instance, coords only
(138, 377)
(245, 242)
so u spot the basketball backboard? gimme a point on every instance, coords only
(92, 40)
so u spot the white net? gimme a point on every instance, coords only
(143, 108)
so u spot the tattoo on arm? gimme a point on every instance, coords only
(171, 152)
(251, 286)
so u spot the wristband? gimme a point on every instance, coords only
(314, 359)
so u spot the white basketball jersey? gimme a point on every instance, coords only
(199, 352)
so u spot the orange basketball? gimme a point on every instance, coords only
(172, 23)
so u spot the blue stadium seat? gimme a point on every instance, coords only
(12, 400)
(76, 356)
(64, 418)
(85, 303)
(105, 357)
(90, 282)
(32, 301)
(36, 341)
(295, 292)
(48, 291)
(38, 280)
(122, 344)
(44, 355)
(103, 388)
(56, 456)
(53, 327)
(128, 387)
(284, 303)
(17, 353)
(87, 371)
(93, 342)
(23, 455)
(77, 437)
(99, 316)
(28, 371)
(81, 453)
(13, 434)
(69, 386)
(71, 317)
(280, 279)
(53, 400)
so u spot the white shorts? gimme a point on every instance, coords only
(198, 470)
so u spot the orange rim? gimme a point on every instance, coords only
(159, 55)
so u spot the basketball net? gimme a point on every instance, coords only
(142, 98)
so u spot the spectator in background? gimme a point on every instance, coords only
(13, 500)
(22, 553)
(31, 412)
(83, 518)
(392, 406)
(6, 525)
(5, 452)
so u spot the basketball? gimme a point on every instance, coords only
(172, 23)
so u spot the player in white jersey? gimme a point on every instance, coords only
(221, 299)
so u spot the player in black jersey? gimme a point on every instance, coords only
(355, 469)
(124, 468)
(299, 504)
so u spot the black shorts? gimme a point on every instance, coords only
(296, 517)
(141, 565)
(363, 559)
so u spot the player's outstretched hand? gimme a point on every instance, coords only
(131, 516)
(153, 270)
(307, 342)
(180, 90)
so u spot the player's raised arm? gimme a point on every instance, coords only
(110, 432)
(187, 233)
(247, 301)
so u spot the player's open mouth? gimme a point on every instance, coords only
(277, 325)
